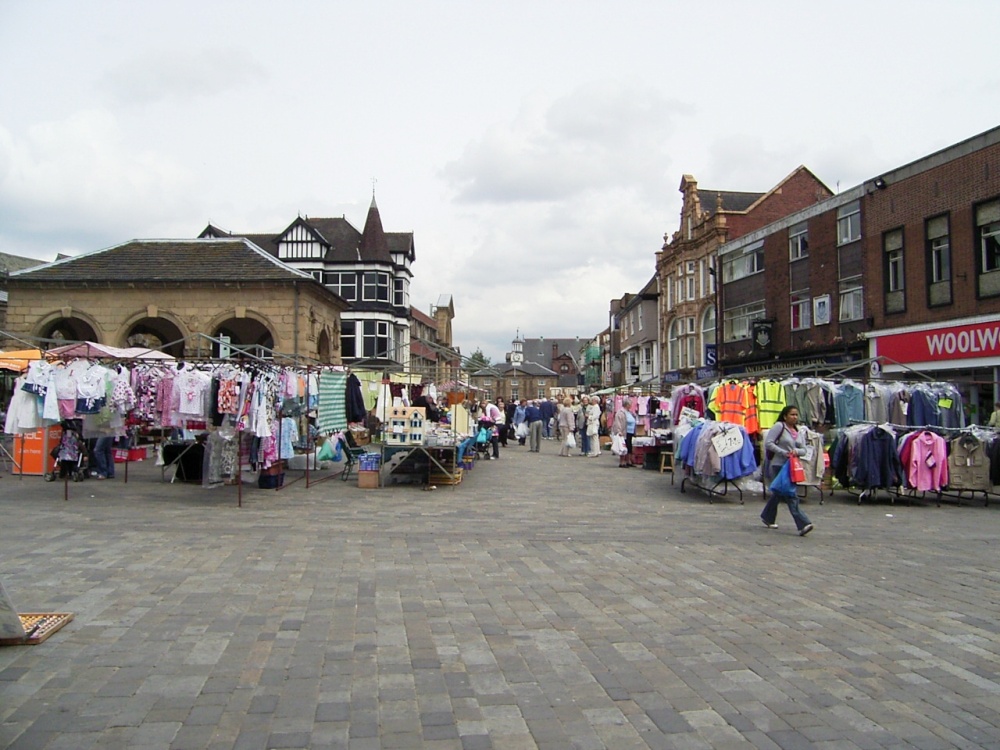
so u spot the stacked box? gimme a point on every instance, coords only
(369, 461)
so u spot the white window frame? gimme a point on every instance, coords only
(989, 247)
(800, 312)
(895, 271)
(742, 263)
(849, 223)
(939, 249)
(798, 241)
(378, 284)
(335, 281)
(737, 321)
(852, 300)
(670, 291)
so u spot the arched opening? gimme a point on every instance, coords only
(153, 333)
(68, 329)
(243, 334)
(323, 346)
(707, 333)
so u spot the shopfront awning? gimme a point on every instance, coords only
(17, 361)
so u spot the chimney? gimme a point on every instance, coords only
(555, 351)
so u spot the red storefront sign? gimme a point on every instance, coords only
(951, 342)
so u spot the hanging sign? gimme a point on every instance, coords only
(728, 442)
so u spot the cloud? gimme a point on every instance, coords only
(597, 137)
(160, 74)
(75, 183)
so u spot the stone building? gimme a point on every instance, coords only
(178, 294)
(686, 264)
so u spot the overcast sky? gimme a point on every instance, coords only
(534, 148)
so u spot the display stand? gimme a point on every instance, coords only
(712, 491)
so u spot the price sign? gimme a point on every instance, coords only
(689, 413)
(728, 442)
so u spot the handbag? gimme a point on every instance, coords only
(782, 483)
(570, 440)
(796, 472)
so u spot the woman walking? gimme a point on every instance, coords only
(624, 427)
(594, 426)
(784, 439)
(566, 421)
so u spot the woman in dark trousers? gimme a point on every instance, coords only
(783, 440)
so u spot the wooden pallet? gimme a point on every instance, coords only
(38, 627)
(436, 477)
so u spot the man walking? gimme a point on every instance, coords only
(548, 409)
(533, 416)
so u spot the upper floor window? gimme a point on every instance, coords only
(798, 241)
(670, 291)
(938, 237)
(849, 223)
(639, 311)
(895, 274)
(801, 310)
(344, 283)
(375, 287)
(742, 263)
(988, 229)
(737, 321)
(399, 293)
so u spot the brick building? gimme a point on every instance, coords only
(158, 292)
(685, 265)
(904, 269)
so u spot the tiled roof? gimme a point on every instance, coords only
(528, 368)
(231, 259)
(731, 200)
(11, 263)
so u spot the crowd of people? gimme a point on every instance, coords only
(578, 422)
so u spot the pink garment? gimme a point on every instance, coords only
(928, 465)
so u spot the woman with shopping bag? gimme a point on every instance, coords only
(784, 444)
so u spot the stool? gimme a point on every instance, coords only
(666, 462)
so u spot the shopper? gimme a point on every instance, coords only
(784, 439)
(594, 426)
(624, 427)
(567, 426)
(533, 416)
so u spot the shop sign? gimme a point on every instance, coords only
(705, 373)
(951, 342)
(673, 376)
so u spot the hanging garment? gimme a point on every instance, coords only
(927, 462)
(770, 401)
(878, 462)
(968, 465)
(331, 412)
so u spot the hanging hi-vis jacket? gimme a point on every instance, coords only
(770, 402)
(730, 402)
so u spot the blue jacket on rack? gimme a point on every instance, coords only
(878, 460)
(741, 463)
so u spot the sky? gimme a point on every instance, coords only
(534, 148)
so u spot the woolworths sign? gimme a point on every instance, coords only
(951, 342)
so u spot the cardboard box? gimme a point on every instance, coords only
(368, 480)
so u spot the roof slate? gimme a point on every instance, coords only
(230, 259)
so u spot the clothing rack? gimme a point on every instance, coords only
(910, 494)
(712, 491)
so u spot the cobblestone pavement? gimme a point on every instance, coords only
(545, 602)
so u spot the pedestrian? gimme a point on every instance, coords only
(533, 416)
(784, 439)
(548, 408)
(624, 426)
(581, 425)
(103, 458)
(594, 426)
(488, 416)
(567, 426)
(995, 416)
(502, 422)
(520, 425)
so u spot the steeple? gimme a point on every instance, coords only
(374, 245)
